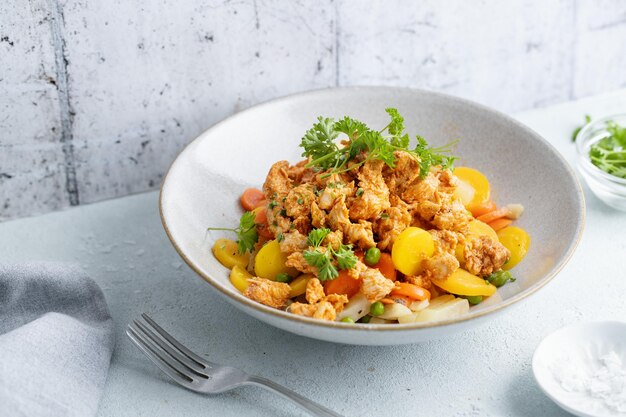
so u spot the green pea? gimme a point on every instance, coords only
(372, 256)
(474, 299)
(500, 278)
(377, 309)
(283, 277)
(365, 319)
(347, 320)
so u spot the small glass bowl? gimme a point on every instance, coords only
(608, 188)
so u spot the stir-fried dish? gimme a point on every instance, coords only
(369, 229)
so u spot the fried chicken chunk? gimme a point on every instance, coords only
(314, 291)
(483, 255)
(374, 285)
(271, 293)
(440, 266)
(374, 198)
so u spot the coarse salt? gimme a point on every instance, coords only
(598, 384)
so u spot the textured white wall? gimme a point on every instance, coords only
(97, 98)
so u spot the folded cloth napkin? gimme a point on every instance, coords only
(56, 340)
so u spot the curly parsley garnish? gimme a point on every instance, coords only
(324, 154)
(247, 235)
(325, 258)
(609, 153)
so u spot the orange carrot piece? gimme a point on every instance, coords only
(494, 215)
(484, 208)
(500, 223)
(343, 284)
(262, 227)
(387, 301)
(386, 267)
(252, 198)
(411, 291)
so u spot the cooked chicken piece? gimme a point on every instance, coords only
(299, 173)
(374, 198)
(334, 239)
(296, 260)
(420, 280)
(271, 293)
(374, 285)
(452, 216)
(406, 172)
(302, 224)
(445, 240)
(302, 309)
(483, 255)
(277, 222)
(277, 184)
(338, 301)
(299, 199)
(293, 241)
(422, 190)
(325, 311)
(355, 272)
(447, 181)
(334, 187)
(314, 291)
(318, 216)
(399, 218)
(360, 234)
(440, 266)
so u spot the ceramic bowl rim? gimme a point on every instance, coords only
(279, 314)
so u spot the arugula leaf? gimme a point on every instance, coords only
(247, 235)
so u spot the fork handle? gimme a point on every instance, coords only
(313, 408)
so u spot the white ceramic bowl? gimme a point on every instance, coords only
(204, 183)
(571, 355)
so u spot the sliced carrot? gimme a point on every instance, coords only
(387, 301)
(411, 291)
(494, 215)
(500, 223)
(343, 284)
(483, 208)
(401, 299)
(385, 266)
(252, 198)
(262, 226)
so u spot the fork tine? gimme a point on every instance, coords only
(176, 343)
(171, 368)
(192, 365)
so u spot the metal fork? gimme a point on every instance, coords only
(198, 374)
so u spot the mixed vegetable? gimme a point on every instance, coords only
(367, 229)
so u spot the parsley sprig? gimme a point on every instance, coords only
(325, 258)
(247, 235)
(609, 153)
(319, 144)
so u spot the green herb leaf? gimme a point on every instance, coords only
(579, 128)
(609, 153)
(247, 235)
(316, 237)
(346, 259)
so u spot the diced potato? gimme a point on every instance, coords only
(517, 241)
(393, 311)
(478, 182)
(225, 250)
(516, 211)
(298, 285)
(239, 278)
(411, 247)
(419, 305)
(462, 282)
(357, 307)
(445, 310)
(270, 261)
(378, 320)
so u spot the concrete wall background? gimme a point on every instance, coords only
(97, 98)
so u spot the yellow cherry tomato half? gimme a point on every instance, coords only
(225, 250)
(478, 182)
(411, 247)
(517, 241)
(462, 282)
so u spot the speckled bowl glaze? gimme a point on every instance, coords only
(203, 186)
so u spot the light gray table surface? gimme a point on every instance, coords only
(482, 372)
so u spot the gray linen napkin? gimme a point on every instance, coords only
(56, 340)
